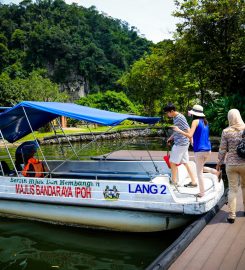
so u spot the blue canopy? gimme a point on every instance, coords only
(14, 123)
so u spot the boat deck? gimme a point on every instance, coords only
(220, 245)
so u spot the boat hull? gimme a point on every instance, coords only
(91, 217)
(108, 195)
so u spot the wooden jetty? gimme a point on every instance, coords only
(220, 245)
(147, 155)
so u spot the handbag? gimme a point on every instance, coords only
(241, 147)
(166, 159)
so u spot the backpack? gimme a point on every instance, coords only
(241, 147)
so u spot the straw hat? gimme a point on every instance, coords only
(197, 110)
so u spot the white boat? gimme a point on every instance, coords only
(133, 196)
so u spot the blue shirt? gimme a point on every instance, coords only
(201, 142)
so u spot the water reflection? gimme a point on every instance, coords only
(32, 245)
(105, 146)
(85, 150)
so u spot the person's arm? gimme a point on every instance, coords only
(170, 139)
(189, 133)
(190, 139)
(223, 149)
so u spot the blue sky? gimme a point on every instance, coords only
(152, 18)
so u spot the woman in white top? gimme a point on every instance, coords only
(235, 165)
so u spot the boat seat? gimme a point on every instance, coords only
(4, 168)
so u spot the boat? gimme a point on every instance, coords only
(119, 195)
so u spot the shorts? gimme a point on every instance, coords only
(179, 154)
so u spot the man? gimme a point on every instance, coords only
(24, 152)
(179, 152)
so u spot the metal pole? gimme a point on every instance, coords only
(63, 153)
(8, 153)
(83, 148)
(36, 139)
(67, 139)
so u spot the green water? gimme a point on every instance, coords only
(86, 150)
(39, 246)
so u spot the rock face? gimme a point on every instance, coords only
(76, 88)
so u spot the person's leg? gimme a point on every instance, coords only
(211, 170)
(200, 158)
(242, 180)
(189, 170)
(175, 157)
(174, 172)
(185, 161)
(233, 178)
(208, 169)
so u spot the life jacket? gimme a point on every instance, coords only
(37, 168)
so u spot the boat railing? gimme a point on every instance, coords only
(102, 175)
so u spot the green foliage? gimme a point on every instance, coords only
(69, 41)
(34, 87)
(37, 87)
(217, 111)
(147, 80)
(9, 91)
(214, 35)
(203, 63)
(110, 101)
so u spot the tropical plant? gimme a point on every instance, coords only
(111, 101)
(217, 110)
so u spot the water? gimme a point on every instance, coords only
(39, 246)
(33, 245)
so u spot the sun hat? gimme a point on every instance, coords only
(197, 110)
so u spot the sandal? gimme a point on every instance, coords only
(230, 220)
(190, 185)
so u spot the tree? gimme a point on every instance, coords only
(69, 41)
(146, 81)
(35, 87)
(10, 94)
(214, 31)
(110, 101)
(3, 51)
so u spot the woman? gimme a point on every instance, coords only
(235, 165)
(201, 145)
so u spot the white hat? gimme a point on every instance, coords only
(197, 110)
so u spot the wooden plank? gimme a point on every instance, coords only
(223, 247)
(236, 248)
(241, 262)
(190, 253)
(147, 155)
(220, 245)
